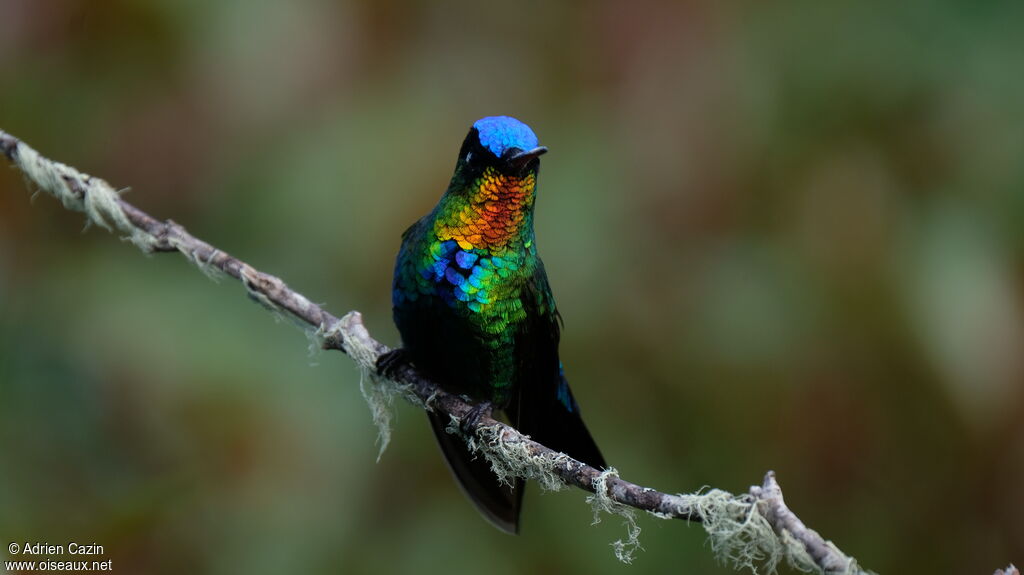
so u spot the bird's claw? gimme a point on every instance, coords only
(476, 413)
(389, 364)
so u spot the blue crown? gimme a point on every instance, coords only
(499, 133)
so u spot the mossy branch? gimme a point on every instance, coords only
(754, 530)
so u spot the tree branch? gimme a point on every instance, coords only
(753, 530)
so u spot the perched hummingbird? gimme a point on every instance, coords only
(475, 312)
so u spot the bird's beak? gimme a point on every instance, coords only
(520, 159)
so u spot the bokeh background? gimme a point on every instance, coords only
(783, 236)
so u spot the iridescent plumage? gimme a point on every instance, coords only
(472, 302)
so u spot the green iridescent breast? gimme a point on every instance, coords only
(484, 288)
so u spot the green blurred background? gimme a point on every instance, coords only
(783, 236)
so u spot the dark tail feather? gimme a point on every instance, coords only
(497, 502)
(553, 419)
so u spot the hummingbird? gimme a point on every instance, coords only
(476, 315)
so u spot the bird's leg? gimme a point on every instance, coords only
(472, 418)
(390, 363)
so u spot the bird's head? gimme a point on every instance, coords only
(489, 202)
(503, 144)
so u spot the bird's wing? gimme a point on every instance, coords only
(545, 408)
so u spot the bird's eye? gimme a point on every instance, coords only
(469, 157)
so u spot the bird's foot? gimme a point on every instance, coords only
(390, 363)
(472, 419)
